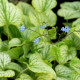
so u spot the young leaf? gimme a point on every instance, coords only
(43, 5)
(14, 42)
(38, 18)
(25, 8)
(37, 65)
(52, 33)
(9, 14)
(52, 18)
(14, 53)
(14, 66)
(14, 32)
(69, 10)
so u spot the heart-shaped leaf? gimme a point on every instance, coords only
(15, 53)
(44, 5)
(62, 53)
(14, 66)
(70, 10)
(43, 49)
(52, 18)
(9, 14)
(38, 18)
(36, 64)
(63, 71)
(25, 8)
(4, 60)
(14, 42)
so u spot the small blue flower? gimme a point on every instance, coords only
(36, 40)
(22, 28)
(42, 27)
(62, 29)
(65, 29)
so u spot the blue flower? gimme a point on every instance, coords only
(36, 40)
(22, 28)
(65, 29)
(62, 29)
(42, 27)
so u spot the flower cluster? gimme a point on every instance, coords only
(36, 40)
(65, 29)
(22, 28)
(41, 27)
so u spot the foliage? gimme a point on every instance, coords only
(29, 53)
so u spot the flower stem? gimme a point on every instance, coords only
(22, 72)
(8, 32)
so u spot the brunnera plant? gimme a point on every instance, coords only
(21, 58)
(28, 53)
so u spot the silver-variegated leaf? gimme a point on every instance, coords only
(9, 14)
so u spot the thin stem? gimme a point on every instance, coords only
(22, 72)
(8, 32)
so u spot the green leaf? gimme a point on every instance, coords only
(67, 24)
(63, 71)
(25, 8)
(26, 22)
(75, 76)
(75, 64)
(37, 65)
(44, 77)
(0, 44)
(52, 18)
(27, 48)
(74, 35)
(9, 14)
(14, 42)
(8, 73)
(3, 78)
(4, 45)
(38, 18)
(76, 22)
(62, 78)
(52, 33)
(14, 32)
(24, 77)
(43, 5)
(26, 33)
(43, 49)
(70, 10)
(14, 53)
(62, 53)
(4, 60)
(14, 66)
